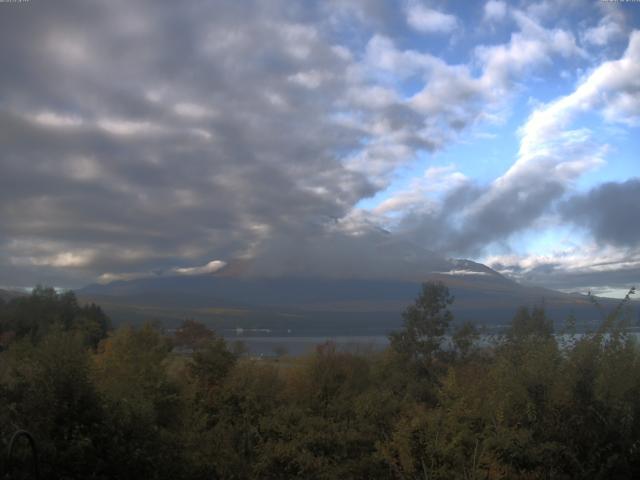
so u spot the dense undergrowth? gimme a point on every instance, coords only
(119, 404)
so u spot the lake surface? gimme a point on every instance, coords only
(293, 345)
(268, 343)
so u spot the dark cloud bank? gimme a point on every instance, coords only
(609, 211)
(145, 136)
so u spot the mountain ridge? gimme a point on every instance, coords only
(482, 295)
(7, 295)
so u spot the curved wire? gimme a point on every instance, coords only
(32, 444)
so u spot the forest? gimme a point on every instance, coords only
(441, 402)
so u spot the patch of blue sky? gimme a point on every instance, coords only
(470, 31)
(411, 86)
(482, 154)
(481, 159)
(369, 203)
(622, 163)
(401, 181)
(621, 158)
(547, 240)
(606, 292)
(486, 152)
(552, 83)
(432, 43)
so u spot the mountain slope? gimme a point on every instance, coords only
(7, 295)
(351, 305)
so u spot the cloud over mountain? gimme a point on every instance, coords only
(137, 136)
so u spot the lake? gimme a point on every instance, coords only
(268, 343)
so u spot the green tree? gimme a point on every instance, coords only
(211, 363)
(327, 425)
(34, 315)
(193, 334)
(464, 339)
(532, 323)
(425, 323)
(47, 390)
(142, 404)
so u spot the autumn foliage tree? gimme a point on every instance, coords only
(436, 404)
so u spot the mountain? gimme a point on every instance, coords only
(7, 295)
(340, 305)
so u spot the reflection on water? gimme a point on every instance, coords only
(264, 343)
(290, 345)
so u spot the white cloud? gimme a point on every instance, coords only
(531, 46)
(463, 272)
(549, 10)
(450, 89)
(420, 192)
(309, 79)
(428, 20)
(451, 99)
(613, 87)
(211, 267)
(609, 28)
(274, 119)
(114, 277)
(68, 259)
(84, 168)
(552, 154)
(299, 39)
(192, 110)
(571, 267)
(70, 48)
(128, 127)
(495, 10)
(374, 96)
(382, 56)
(57, 120)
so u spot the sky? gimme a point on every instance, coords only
(340, 138)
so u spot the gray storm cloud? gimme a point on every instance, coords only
(157, 135)
(608, 212)
(162, 136)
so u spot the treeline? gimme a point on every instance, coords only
(437, 404)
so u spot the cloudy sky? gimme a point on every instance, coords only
(341, 138)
